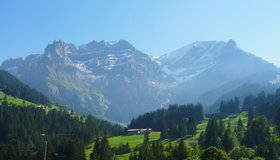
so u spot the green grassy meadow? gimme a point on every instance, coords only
(135, 140)
(132, 140)
(20, 102)
(16, 101)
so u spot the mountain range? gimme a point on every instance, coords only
(117, 81)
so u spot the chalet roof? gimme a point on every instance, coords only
(139, 129)
(131, 130)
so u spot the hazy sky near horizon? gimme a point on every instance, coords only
(152, 26)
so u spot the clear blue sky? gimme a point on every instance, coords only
(152, 26)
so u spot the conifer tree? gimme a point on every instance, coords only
(258, 132)
(105, 153)
(250, 115)
(95, 155)
(240, 130)
(75, 150)
(181, 151)
(183, 127)
(221, 128)
(158, 150)
(202, 139)
(229, 140)
(163, 130)
(101, 150)
(211, 135)
(191, 126)
(146, 137)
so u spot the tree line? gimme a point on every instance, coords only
(263, 104)
(229, 107)
(174, 122)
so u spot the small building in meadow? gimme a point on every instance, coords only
(138, 131)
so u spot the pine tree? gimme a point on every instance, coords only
(211, 135)
(75, 150)
(146, 153)
(50, 151)
(240, 130)
(146, 137)
(221, 128)
(258, 132)
(105, 153)
(236, 105)
(181, 151)
(127, 148)
(202, 139)
(250, 115)
(183, 127)
(158, 150)
(229, 140)
(163, 130)
(95, 155)
(191, 126)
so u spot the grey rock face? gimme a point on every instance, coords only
(110, 79)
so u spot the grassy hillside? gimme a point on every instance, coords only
(233, 119)
(14, 100)
(20, 102)
(135, 140)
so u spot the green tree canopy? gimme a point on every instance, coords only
(213, 153)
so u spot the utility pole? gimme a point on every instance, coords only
(46, 142)
(46, 147)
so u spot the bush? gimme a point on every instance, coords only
(213, 153)
(243, 152)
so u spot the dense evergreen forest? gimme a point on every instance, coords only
(174, 122)
(10, 85)
(262, 104)
(22, 129)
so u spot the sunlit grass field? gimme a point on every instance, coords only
(136, 140)
(22, 103)
(132, 140)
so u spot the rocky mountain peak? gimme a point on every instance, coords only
(121, 44)
(231, 43)
(57, 48)
(59, 51)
